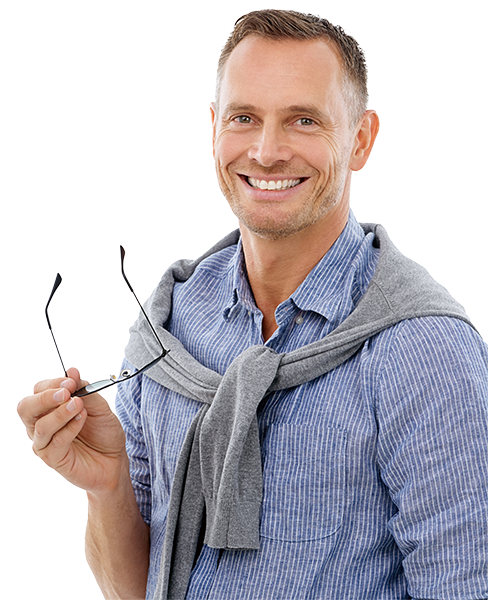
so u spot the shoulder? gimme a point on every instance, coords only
(430, 359)
(444, 339)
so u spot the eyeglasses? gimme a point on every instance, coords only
(125, 374)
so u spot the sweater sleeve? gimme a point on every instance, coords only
(432, 411)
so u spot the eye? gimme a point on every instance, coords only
(243, 119)
(305, 122)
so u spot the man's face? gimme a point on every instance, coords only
(282, 136)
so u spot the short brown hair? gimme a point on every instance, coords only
(289, 24)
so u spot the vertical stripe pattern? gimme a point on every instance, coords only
(375, 475)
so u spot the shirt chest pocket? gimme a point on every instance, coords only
(304, 482)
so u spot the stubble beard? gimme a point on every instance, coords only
(308, 213)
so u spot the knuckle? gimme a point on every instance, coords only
(47, 384)
(61, 416)
(48, 452)
(46, 403)
(42, 385)
(24, 408)
(22, 411)
(39, 431)
(57, 440)
(20, 407)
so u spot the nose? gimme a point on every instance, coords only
(270, 146)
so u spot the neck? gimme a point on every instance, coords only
(276, 268)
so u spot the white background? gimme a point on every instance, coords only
(105, 139)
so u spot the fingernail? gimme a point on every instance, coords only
(71, 406)
(59, 396)
(65, 383)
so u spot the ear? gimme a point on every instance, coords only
(213, 116)
(366, 132)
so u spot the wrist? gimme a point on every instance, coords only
(118, 490)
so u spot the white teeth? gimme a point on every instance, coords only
(273, 185)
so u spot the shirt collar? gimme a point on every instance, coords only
(242, 295)
(332, 288)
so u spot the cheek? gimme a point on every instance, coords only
(326, 160)
(225, 181)
(321, 154)
(228, 148)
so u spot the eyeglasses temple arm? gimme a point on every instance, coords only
(57, 283)
(122, 256)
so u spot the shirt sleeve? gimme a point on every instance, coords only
(432, 411)
(128, 408)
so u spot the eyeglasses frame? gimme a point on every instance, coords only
(125, 374)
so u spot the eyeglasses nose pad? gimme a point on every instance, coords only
(123, 375)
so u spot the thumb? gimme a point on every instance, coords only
(74, 381)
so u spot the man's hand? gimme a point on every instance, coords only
(81, 438)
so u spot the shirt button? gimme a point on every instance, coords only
(249, 313)
(299, 320)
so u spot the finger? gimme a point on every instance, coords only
(74, 374)
(32, 408)
(56, 453)
(73, 382)
(49, 426)
(48, 384)
(46, 398)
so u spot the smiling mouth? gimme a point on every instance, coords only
(277, 185)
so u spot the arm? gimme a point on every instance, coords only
(117, 543)
(83, 440)
(432, 402)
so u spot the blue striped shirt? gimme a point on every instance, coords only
(375, 474)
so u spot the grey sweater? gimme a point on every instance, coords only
(219, 467)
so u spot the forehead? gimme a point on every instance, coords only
(282, 72)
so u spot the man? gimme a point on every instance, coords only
(319, 427)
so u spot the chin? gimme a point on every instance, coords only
(273, 229)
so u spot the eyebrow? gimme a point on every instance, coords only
(234, 107)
